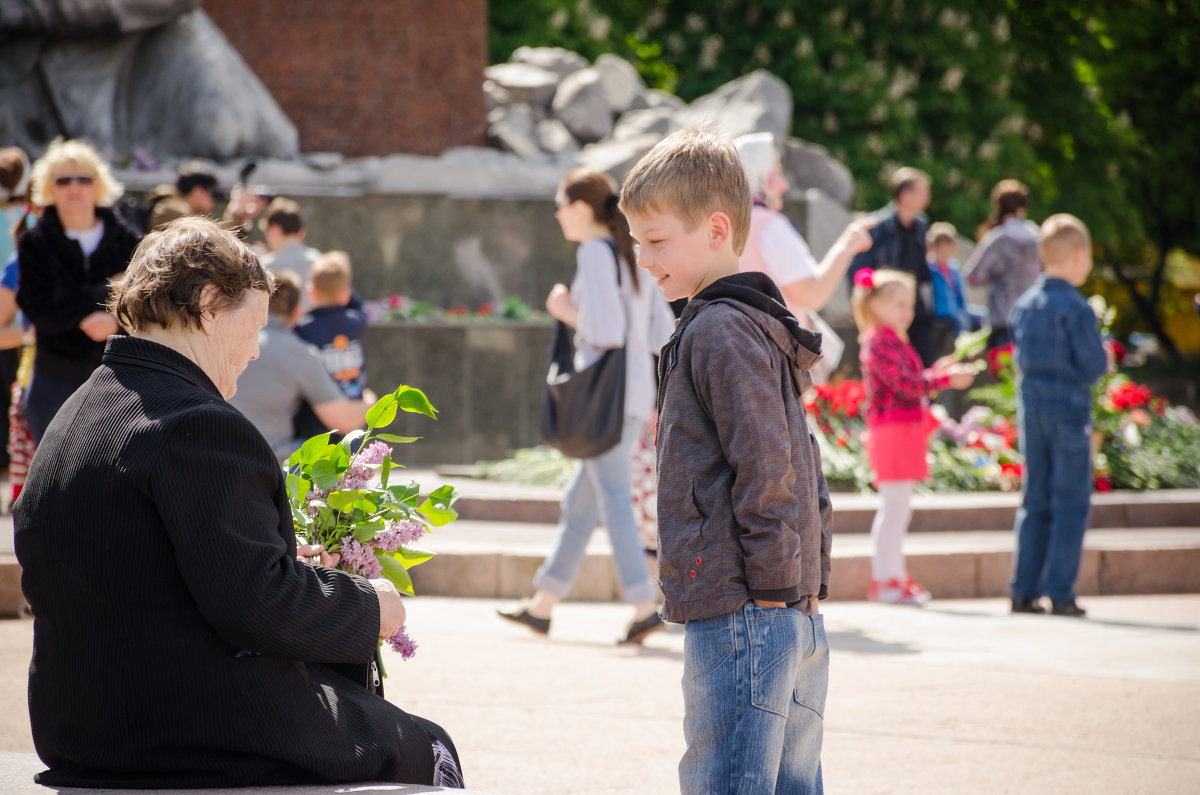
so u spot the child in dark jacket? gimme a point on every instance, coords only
(1058, 355)
(334, 327)
(898, 390)
(743, 507)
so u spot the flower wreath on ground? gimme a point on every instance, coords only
(344, 497)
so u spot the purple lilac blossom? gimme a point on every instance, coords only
(398, 533)
(360, 559)
(374, 453)
(402, 644)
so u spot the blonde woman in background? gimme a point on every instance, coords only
(67, 263)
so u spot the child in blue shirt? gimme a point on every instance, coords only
(951, 316)
(1058, 356)
(334, 325)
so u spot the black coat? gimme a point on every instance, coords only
(157, 544)
(60, 287)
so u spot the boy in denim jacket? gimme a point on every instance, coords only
(743, 508)
(1058, 355)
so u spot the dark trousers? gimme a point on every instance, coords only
(1056, 494)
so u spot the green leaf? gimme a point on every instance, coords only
(413, 400)
(314, 446)
(394, 570)
(385, 469)
(297, 488)
(391, 437)
(349, 439)
(407, 494)
(412, 556)
(324, 474)
(438, 512)
(338, 500)
(366, 506)
(382, 413)
(365, 531)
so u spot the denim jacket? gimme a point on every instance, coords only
(1058, 353)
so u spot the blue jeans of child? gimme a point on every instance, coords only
(599, 490)
(754, 685)
(1056, 492)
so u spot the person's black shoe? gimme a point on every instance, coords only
(1027, 606)
(1067, 609)
(521, 616)
(638, 630)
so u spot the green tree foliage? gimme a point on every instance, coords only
(1093, 105)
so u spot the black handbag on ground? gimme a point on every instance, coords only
(583, 413)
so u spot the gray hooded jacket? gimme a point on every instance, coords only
(743, 508)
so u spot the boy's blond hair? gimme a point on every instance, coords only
(331, 277)
(874, 284)
(941, 232)
(691, 174)
(1061, 235)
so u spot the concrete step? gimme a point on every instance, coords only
(498, 560)
(506, 502)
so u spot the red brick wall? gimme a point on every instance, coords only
(367, 77)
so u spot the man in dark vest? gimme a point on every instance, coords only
(899, 244)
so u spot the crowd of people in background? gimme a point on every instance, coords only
(743, 275)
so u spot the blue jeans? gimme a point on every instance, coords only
(754, 685)
(1056, 497)
(599, 491)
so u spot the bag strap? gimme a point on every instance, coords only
(612, 245)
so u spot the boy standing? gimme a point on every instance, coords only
(1058, 355)
(335, 328)
(950, 316)
(743, 507)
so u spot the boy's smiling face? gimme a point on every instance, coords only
(682, 261)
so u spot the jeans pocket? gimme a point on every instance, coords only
(774, 639)
(812, 681)
(707, 643)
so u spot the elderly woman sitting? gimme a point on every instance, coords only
(179, 641)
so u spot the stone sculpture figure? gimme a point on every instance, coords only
(132, 76)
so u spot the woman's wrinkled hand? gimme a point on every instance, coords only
(306, 552)
(391, 607)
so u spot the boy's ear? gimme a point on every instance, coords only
(720, 230)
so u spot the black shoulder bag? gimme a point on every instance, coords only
(583, 413)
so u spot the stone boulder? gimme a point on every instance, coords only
(757, 102)
(511, 127)
(524, 82)
(581, 103)
(649, 120)
(623, 86)
(553, 59)
(811, 166)
(554, 137)
(615, 158)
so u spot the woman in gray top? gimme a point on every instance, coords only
(1007, 259)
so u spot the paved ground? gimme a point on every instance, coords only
(957, 697)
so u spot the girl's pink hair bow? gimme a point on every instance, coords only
(865, 278)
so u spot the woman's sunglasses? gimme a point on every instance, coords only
(78, 179)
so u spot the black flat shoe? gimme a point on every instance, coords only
(1067, 609)
(521, 616)
(638, 630)
(1027, 606)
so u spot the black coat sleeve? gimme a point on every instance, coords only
(218, 489)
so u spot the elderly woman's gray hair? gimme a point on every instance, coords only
(171, 267)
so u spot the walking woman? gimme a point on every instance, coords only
(1007, 259)
(607, 311)
(67, 263)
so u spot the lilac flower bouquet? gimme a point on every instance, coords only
(345, 497)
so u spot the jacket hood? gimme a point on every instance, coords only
(759, 299)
